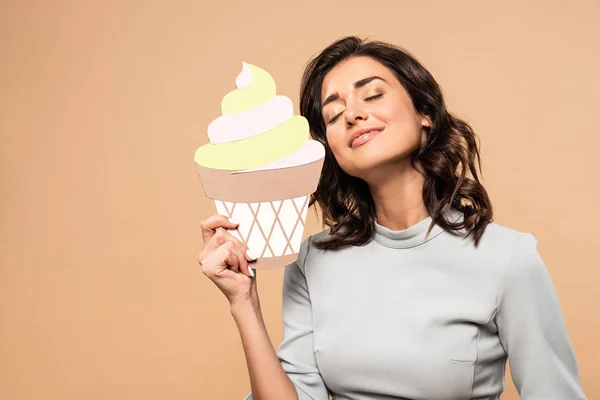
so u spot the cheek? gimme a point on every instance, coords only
(400, 118)
(385, 112)
(336, 140)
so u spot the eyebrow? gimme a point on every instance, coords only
(357, 85)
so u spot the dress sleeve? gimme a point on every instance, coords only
(532, 329)
(296, 352)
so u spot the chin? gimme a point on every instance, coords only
(374, 165)
(366, 168)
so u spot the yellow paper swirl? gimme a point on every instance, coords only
(260, 149)
(261, 90)
(255, 151)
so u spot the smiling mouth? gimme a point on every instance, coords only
(363, 136)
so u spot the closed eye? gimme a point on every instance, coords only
(374, 97)
(332, 120)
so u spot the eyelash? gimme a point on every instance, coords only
(375, 97)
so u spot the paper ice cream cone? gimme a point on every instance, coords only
(261, 168)
(270, 207)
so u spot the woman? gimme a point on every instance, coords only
(413, 292)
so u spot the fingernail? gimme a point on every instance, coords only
(251, 255)
(234, 221)
(251, 271)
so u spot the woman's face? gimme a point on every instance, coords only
(370, 120)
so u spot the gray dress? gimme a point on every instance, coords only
(410, 316)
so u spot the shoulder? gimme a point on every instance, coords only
(501, 250)
(308, 249)
(500, 236)
(517, 250)
(496, 241)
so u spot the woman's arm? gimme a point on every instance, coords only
(222, 259)
(267, 378)
(533, 331)
(295, 357)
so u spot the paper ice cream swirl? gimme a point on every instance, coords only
(258, 129)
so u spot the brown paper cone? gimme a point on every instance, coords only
(270, 207)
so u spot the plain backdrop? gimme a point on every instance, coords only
(103, 103)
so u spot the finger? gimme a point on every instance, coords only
(230, 257)
(216, 240)
(226, 273)
(244, 254)
(210, 225)
(240, 252)
(247, 267)
(221, 236)
(213, 244)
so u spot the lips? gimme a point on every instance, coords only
(363, 135)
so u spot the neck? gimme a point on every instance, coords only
(398, 198)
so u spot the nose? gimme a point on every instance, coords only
(355, 114)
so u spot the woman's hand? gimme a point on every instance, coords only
(224, 259)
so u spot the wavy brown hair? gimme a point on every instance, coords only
(448, 159)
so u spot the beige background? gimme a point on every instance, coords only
(104, 103)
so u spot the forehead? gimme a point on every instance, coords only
(342, 76)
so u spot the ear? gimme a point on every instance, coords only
(426, 124)
(426, 121)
